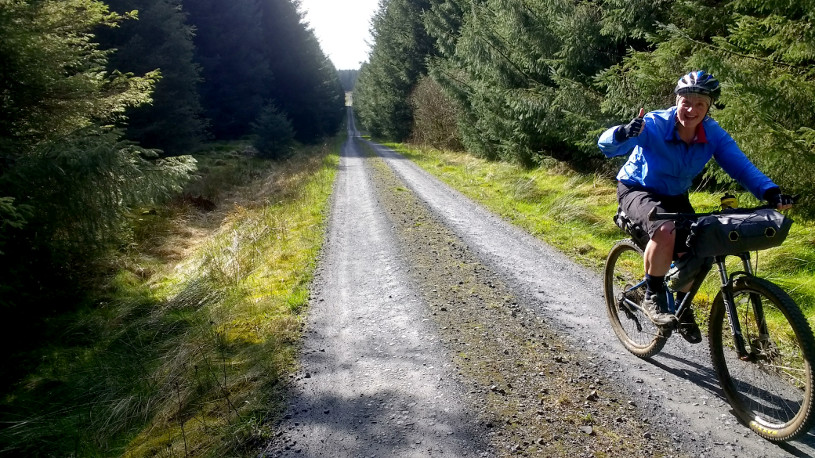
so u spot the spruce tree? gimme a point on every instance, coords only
(230, 49)
(348, 79)
(306, 86)
(67, 179)
(397, 60)
(159, 40)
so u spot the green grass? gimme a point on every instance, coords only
(182, 350)
(573, 212)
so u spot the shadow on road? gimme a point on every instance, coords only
(705, 378)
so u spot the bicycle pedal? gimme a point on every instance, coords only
(672, 326)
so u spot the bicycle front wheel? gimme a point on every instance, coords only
(769, 388)
(624, 288)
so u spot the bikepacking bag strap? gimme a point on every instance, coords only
(733, 233)
(636, 232)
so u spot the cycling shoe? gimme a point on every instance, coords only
(688, 328)
(656, 308)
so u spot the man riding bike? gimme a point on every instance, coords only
(670, 148)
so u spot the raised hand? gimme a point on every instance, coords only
(632, 129)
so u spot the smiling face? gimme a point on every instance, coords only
(691, 109)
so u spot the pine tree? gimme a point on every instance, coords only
(159, 40)
(396, 63)
(258, 53)
(534, 79)
(67, 180)
(307, 86)
(348, 79)
(230, 49)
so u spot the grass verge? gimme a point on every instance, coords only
(184, 346)
(573, 212)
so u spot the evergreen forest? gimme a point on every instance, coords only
(348, 79)
(103, 103)
(527, 80)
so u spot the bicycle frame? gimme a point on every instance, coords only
(769, 380)
(726, 288)
(726, 285)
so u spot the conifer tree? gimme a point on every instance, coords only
(348, 79)
(67, 179)
(159, 40)
(535, 79)
(230, 49)
(395, 65)
(259, 53)
(306, 86)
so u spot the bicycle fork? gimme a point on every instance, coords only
(730, 305)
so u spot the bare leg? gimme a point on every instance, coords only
(660, 249)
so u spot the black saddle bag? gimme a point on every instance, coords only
(733, 233)
(636, 232)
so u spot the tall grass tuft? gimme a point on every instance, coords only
(182, 349)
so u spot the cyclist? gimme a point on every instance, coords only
(670, 148)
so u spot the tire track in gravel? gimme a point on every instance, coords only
(374, 378)
(413, 347)
(536, 395)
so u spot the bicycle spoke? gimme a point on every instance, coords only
(624, 291)
(771, 389)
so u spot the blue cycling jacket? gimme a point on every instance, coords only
(663, 163)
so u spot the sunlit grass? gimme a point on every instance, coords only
(182, 349)
(573, 212)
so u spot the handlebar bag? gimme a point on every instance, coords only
(733, 233)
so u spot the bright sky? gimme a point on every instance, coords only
(342, 28)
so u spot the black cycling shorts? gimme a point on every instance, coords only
(637, 202)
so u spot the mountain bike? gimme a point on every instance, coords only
(761, 346)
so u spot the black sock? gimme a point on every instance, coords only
(654, 285)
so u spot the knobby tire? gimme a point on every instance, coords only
(772, 390)
(624, 269)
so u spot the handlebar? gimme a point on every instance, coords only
(653, 215)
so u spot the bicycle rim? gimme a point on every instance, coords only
(623, 272)
(770, 391)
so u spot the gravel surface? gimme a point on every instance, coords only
(435, 328)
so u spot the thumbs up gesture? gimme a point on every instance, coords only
(632, 129)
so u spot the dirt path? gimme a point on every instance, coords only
(436, 329)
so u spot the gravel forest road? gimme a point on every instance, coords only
(437, 329)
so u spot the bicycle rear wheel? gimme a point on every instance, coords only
(771, 389)
(624, 286)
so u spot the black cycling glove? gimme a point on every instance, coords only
(630, 130)
(774, 197)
